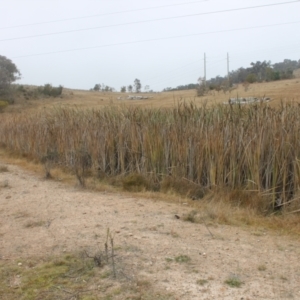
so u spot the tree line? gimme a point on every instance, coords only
(136, 87)
(257, 72)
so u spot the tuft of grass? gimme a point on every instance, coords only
(182, 259)
(202, 281)
(262, 268)
(191, 217)
(283, 278)
(3, 169)
(234, 281)
(174, 234)
(135, 183)
(4, 184)
(32, 224)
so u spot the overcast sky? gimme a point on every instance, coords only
(113, 52)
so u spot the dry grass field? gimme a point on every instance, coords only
(285, 90)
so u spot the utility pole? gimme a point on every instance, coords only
(204, 70)
(228, 70)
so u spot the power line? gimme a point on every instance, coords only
(172, 70)
(104, 14)
(195, 70)
(157, 39)
(153, 20)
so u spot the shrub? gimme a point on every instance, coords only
(51, 91)
(251, 78)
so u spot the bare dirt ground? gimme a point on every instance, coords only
(40, 217)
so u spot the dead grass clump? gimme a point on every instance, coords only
(135, 183)
(82, 163)
(32, 224)
(182, 187)
(49, 160)
(4, 184)
(243, 198)
(3, 169)
(192, 216)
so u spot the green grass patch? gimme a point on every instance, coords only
(68, 277)
(234, 281)
(54, 278)
(202, 281)
(182, 259)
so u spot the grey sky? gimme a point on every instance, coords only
(161, 63)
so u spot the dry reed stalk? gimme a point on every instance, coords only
(241, 148)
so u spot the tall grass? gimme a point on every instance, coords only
(254, 148)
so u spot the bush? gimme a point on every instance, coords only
(251, 78)
(51, 91)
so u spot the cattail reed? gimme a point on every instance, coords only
(237, 147)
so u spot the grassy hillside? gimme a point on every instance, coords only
(286, 90)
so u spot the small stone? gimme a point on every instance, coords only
(20, 264)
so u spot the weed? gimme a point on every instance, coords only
(82, 162)
(262, 268)
(202, 281)
(32, 224)
(283, 278)
(182, 259)
(234, 281)
(191, 217)
(49, 160)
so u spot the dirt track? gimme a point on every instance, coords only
(40, 218)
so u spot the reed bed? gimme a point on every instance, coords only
(255, 149)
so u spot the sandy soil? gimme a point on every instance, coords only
(40, 217)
